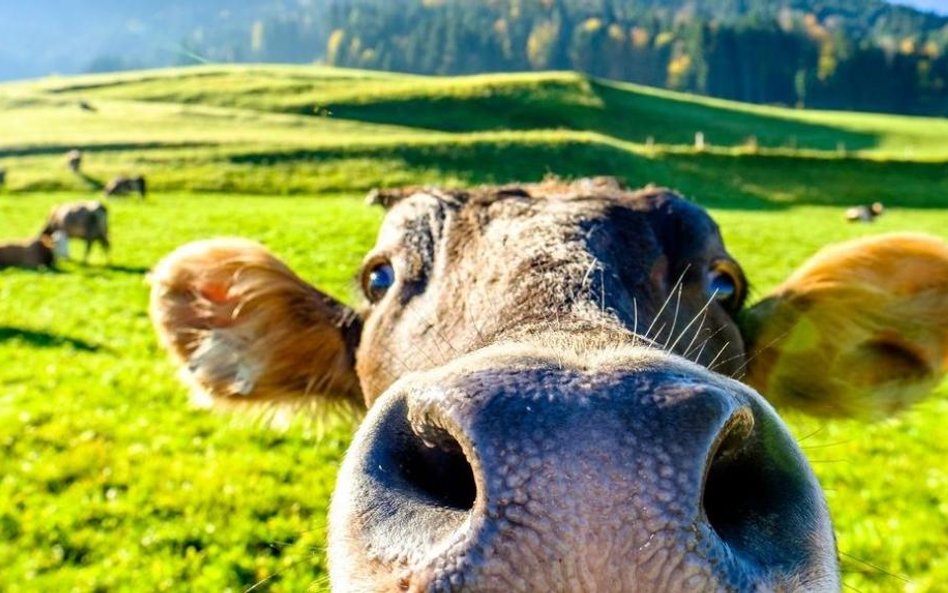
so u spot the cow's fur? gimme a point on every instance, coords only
(87, 220)
(121, 186)
(866, 316)
(521, 355)
(877, 305)
(238, 271)
(39, 252)
(74, 160)
(865, 213)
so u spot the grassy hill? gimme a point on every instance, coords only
(110, 482)
(293, 130)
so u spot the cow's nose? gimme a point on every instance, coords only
(526, 476)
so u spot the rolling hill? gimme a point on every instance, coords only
(865, 55)
(291, 130)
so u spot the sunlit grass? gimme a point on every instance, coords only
(109, 481)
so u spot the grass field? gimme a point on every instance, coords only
(109, 481)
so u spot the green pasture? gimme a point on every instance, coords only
(110, 481)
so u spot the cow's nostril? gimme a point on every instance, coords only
(753, 492)
(432, 465)
(731, 480)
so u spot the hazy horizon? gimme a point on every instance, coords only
(103, 35)
(938, 6)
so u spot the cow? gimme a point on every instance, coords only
(88, 220)
(38, 252)
(3, 177)
(74, 160)
(122, 185)
(549, 376)
(865, 213)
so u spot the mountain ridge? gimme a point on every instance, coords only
(837, 54)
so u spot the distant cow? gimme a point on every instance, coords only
(39, 252)
(122, 185)
(3, 177)
(81, 220)
(865, 213)
(74, 160)
(87, 106)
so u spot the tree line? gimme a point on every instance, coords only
(833, 54)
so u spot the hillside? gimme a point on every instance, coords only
(281, 129)
(865, 55)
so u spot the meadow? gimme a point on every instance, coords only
(110, 481)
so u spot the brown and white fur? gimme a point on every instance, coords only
(545, 374)
(39, 252)
(865, 213)
(865, 315)
(87, 220)
(74, 160)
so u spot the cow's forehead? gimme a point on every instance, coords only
(424, 216)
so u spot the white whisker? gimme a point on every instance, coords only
(674, 323)
(718, 355)
(664, 304)
(701, 313)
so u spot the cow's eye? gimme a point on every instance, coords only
(725, 285)
(377, 279)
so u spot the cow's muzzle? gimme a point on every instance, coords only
(517, 471)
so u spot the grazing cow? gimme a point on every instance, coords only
(865, 213)
(122, 185)
(87, 220)
(546, 372)
(39, 252)
(3, 176)
(900, 347)
(87, 106)
(74, 160)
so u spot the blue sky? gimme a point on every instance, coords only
(939, 6)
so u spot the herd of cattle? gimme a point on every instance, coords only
(87, 220)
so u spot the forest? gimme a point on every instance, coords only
(834, 54)
(866, 55)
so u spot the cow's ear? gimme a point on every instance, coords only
(861, 329)
(246, 331)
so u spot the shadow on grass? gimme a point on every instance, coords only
(41, 339)
(90, 182)
(97, 268)
(746, 182)
(56, 149)
(627, 113)
(54, 269)
(134, 270)
(587, 104)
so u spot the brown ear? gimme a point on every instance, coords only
(246, 330)
(861, 329)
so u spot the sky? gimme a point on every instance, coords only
(939, 6)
